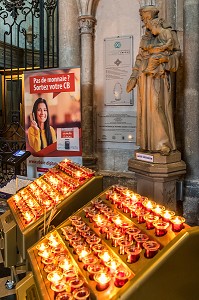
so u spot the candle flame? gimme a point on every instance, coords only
(103, 278)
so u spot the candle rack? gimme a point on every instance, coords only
(49, 200)
(121, 257)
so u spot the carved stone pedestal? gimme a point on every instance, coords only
(157, 176)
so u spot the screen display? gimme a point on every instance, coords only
(19, 153)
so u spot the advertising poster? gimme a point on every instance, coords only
(52, 118)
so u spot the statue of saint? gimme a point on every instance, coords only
(158, 56)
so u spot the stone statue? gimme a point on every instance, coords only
(158, 56)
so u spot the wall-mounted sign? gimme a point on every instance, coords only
(116, 127)
(118, 68)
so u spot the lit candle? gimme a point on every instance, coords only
(59, 286)
(104, 255)
(149, 205)
(103, 281)
(82, 252)
(97, 248)
(177, 223)
(167, 215)
(158, 210)
(41, 247)
(65, 264)
(117, 221)
(112, 265)
(55, 276)
(94, 269)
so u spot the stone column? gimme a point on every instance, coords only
(69, 41)
(86, 26)
(191, 106)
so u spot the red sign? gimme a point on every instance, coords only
(67, 133)
(54, 83)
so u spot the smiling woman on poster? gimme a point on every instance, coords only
(40, 133)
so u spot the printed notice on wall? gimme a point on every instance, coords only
(118, 67)
(116, 127)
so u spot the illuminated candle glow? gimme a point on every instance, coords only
(103, 281)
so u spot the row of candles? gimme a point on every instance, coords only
(101, 263)
(145, 210)
(60, 181)
(64, 277)
(75, 170)
(45, 193)
(126, 236)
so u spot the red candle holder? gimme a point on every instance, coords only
(133, 209)
(65, 264)
(133, 253)
(77, 244)
(64, 296)
(151, 248)
(94, 269)
(70, 274)
(50, 268)
(105, 256)
(75, 283)
(83, 229)
(88, 209)
(112, 265)
(126, 205)
(59, 286)
(97, 248)
(114, 198)
(73, 239)
(74, 218)
(93, 240)
(103, 281)
(167, 215)
(140, 239)
(55, 276)
(131, 232)
(98, 219)
(116, 237)
(82, 252)
(123, 243)
(160, 227)
(81, 294)
(150, 219)
(109, 232)
(177, 223)
(124, 227)
(117, 221)
(121, 277)
(90, 259)
(42, 246)
(158, 210)
(148, 205)
(88, 234)
(141, 213)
